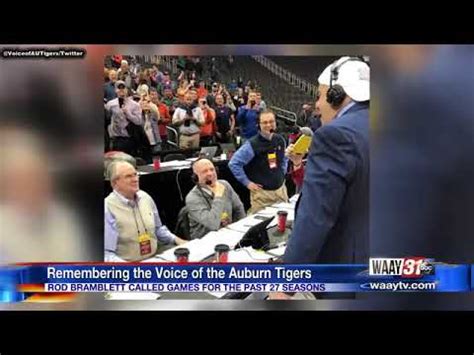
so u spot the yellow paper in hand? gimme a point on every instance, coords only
(302, 145)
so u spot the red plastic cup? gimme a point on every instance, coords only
(156, 163)
(182, 255)
(282, 215)
(222, 253)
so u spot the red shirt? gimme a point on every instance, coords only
(165, 119)
(201, 92)
(297, 176)
(208, 128)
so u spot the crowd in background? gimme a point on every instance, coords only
(149, 110)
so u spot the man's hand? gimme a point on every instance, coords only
(278, 296)
(297, 159)
(253, 186)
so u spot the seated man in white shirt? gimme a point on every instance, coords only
(132, 225)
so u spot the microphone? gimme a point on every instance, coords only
(306, 131)
(272, 130)
(208, 182)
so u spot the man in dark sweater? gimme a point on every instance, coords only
(260, 165)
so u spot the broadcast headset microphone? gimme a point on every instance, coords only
(208, 182)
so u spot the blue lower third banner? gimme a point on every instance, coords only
(19, 283)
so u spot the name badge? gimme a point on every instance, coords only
(145, 243)
(272, 160)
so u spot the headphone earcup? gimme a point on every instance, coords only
(335, 95)
(194, 178)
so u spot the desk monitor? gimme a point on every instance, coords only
(208, 152)
(227, 147)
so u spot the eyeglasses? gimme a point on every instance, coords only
(130, 176)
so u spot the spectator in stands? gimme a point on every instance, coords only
(260, 165)
(228, 100)
(247, 118)
(262, 106)
(153, 77)
(202, 91)
(143, 81)
(233, 85)
(208, 128)
(142, 89)
(308, 118)
(122, 110)
(165, 82)
(117, 61)
(169, 100)
(109, 87)
(189, 118)
(193, 93)
(124, 74)
(183, 88)
(225, 121)
(151, 117)
(212, 204)
(164, 116)
(239, 98)
(211, 97)
(132, 222)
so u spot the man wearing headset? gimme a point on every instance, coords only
(260, 164)
(212, 204)
(331, 224)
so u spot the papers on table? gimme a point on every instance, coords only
(248, 255)
(174, 164)
(294, 199)
(284, 206)
(277, 251)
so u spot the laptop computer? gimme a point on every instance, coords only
(227, 147)
(208, 152)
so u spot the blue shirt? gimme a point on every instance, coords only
(248, 121)
(109, 91)
(242, 157)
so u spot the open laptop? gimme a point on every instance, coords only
(227, 147)
(208, 152)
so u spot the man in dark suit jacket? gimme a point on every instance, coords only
(331, 224)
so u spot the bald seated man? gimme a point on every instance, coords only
(132, 225)
(212, 204)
